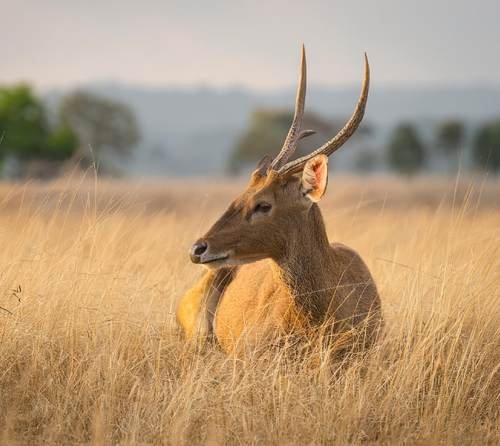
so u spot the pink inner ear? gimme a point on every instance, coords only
(314, 177)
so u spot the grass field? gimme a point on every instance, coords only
(89, 349)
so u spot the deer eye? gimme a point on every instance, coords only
(262, 208)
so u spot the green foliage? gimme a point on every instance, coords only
(450, 135)
(486, 148)
(61, 144)
(23, 123)
(24, 130)
(100, 123)
(406, 152)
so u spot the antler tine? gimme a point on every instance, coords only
(293, 137)
(342, 136)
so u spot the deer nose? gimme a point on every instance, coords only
(197, 250)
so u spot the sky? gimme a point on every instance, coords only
(253, 44)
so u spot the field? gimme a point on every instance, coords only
(90, 273)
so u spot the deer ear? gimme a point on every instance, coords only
(315, 178)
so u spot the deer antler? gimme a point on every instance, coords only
(294, 133)
(341, 137)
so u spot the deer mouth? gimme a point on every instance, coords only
(215, 259)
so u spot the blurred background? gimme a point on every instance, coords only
(170, 89)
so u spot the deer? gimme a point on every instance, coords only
(270, 268)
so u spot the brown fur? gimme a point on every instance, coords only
(291, 278)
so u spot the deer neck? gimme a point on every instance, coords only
(305, 266)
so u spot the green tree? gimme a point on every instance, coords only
(25, 133)
(450, 136)
(406, 153)
(107, 126)
(267, 131)
(23, 123)
(486, 148)
(61, 144)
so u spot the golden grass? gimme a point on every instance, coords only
(90, 352)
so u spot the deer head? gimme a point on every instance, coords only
(280, 196)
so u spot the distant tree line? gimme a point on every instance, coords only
(405, 152)
(85, 129)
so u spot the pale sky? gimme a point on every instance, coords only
(62, 43)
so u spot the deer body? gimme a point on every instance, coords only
(272, 268)
(259, 303)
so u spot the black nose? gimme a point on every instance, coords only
(197, 250)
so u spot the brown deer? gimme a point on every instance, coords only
(271, 268)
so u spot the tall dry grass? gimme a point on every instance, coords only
(90, 352)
